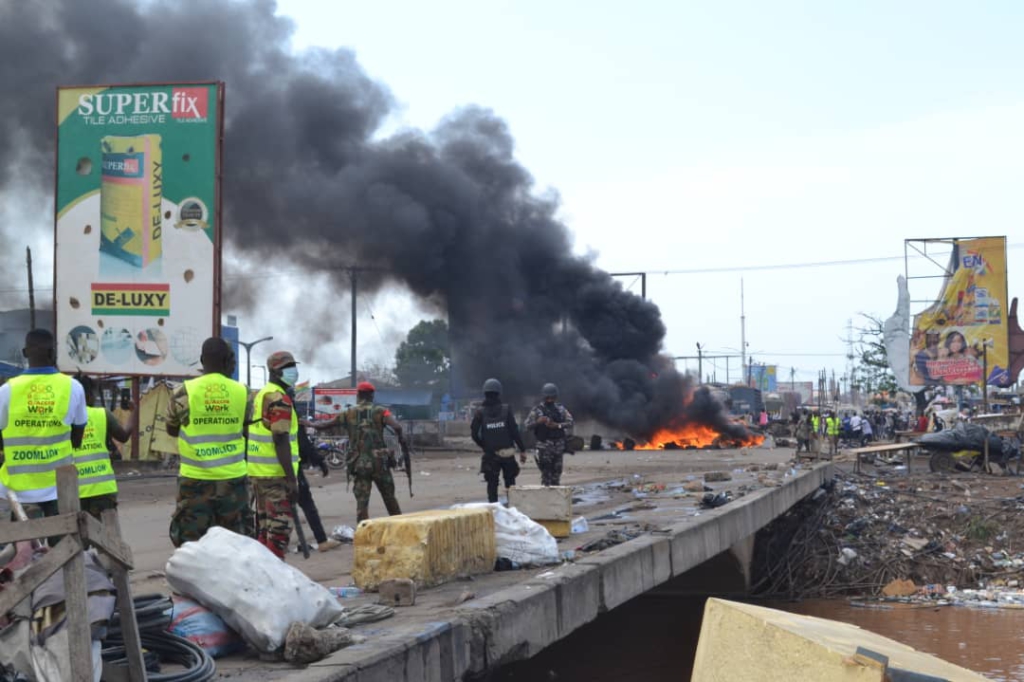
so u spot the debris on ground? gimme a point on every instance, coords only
(862, 534)
(610, 539)
(304, 645)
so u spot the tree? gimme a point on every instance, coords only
(872, 373)
(423, 359)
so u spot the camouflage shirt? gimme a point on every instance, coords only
(542, 432)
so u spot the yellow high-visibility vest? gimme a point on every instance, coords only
(832, 426)
(36, 440)
(211, 444)
(261, 452)
(95, 472)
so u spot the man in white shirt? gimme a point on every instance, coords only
(42, 419)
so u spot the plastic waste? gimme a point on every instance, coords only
(343, 533)
(345, 592)
(203, 627)
(239, 579)
(579, 525)
(519, 538)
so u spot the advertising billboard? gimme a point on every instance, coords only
(137, 227)
(763, 378)
(329, 402)
(967, 320)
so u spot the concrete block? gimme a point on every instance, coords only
(558, 529)
(547, 503)
(429, 547)
(745, 643)
(397, 592)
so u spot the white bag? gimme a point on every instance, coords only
(255, 593)
(518, 537)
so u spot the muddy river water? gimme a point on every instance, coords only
(653, 638)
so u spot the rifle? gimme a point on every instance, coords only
(407, 460)
(301, 534)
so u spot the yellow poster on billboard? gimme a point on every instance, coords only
(966, 327)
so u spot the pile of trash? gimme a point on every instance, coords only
(856, 536)
(236, 593)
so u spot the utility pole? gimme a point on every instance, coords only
(31, 290)
(353, 274)
(700, 364)
(792, 379)
(743, 333)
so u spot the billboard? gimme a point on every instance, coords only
(763, 378)
(137, 227)
(949, 338)
(328, 402)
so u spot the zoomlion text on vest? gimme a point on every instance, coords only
(34, 454)
(215, 450)
(93, 469)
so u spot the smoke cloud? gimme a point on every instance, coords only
(448, 214)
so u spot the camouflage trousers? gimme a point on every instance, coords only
(273, 514)
(365, 476)
(98, 504)
(549, 460)
(204, 504)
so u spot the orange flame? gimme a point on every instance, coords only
(694, 436)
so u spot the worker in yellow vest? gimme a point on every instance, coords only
(832, 431)
(208, 415)
(97, 485)
(816, 433)
(273, 453)
(42, 419)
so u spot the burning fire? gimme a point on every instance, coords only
(694, 436)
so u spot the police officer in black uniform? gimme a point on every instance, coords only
(495, 430)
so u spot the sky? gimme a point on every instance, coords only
(792, 146)
(709, 143)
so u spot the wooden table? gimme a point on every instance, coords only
(908, 435)
(907, 448)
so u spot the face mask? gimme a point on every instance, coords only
(290, 375)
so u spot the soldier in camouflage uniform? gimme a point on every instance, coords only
(212, 495)
(369, 461)
(552, 425)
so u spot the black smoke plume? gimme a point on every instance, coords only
(448, 213)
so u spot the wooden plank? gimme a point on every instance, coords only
(75, 594)
(101, 536)
(18, 531)
(125, 605)
(38, 572)
(888, 447)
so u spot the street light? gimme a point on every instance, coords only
(247, 345)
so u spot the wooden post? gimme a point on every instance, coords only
(136, 404)
(75, 594)
(125, 605)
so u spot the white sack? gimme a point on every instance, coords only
(518, 537)
(255, 593)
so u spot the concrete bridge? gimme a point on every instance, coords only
(518, 621)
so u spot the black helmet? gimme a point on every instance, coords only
(549, 391)
(492, 386)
